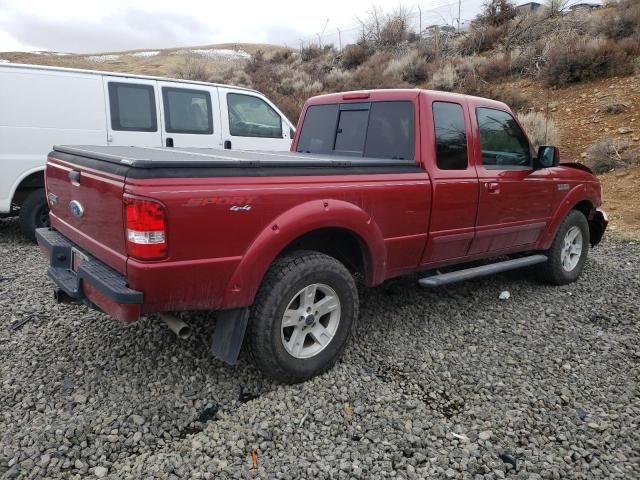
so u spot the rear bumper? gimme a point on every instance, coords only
(94, 283)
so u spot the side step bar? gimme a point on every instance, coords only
(475, 272)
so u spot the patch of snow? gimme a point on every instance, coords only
(4, 60)
(219, 53)
(102, 58)
(146, 54)
(48, 52)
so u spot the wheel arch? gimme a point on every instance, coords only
(27, 182)
(580, 199)
(310, 224)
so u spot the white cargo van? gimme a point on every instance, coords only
(43, 106)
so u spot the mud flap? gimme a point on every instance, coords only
(598, 222)
(227, 338)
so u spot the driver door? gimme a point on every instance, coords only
(514, 199)
(251, 122)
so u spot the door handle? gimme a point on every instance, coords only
(227, 144)
(169, 142)
(493, 187)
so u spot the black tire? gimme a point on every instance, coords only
(287, 276)
(552, 271)
(34, 213)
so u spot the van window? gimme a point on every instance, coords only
(451, 136)
(369, 129)
(502, 141)
(187, 111)
(133, 107)
(251, 116)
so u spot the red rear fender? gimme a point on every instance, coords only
(293, 224)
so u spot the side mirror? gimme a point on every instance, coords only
(548, 157)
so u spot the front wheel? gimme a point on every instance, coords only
(568, 252)
(303, 315)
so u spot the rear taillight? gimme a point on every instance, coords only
(146, 228)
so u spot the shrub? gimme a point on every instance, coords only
(611, 154)
(589, 59)
(540, 129)
(495, 67)
(445, 78)
(354, 55)
(194, 68)
(410, 68)
(309, 53)
(623, 22)
(496, 13)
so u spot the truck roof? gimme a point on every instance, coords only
(398, 94)
(27, 66)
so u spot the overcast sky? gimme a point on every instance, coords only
(88, 26)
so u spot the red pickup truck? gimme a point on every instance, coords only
(378, 184)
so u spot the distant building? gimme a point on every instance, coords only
(583, 7)
(528, 7)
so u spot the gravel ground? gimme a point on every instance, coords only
(453, 383)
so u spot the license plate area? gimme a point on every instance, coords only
(77, 259)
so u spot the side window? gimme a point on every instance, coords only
(251, 116)
(391, 131)
(133, 107)
(502, 141)
(451, 136)
(187, 111)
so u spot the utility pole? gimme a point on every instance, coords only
(321, 34)
(459, 10)
(339, 39)
(420, 22)
(436, 39)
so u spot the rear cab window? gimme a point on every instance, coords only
(384, 129)
(132, 107)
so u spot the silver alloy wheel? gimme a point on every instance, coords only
(571, 249)
(310, 320)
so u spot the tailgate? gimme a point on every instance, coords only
(86, 207)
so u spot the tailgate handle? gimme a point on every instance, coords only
(74, 176)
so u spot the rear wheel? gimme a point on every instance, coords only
(34, 213)
(303, 316)
(568, 252)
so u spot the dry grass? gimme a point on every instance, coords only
(540, 128)
(611, 154)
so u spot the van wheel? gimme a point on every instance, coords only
(303, 315)
(34, 213)
(568, 252)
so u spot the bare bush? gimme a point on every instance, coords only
(589, 59)
(611, 154)
(541, 129)
(445, 78)
(556, 7)
(622, 22)
(495, 67)
(194, 68)
(380, 30)
(411, 67)
(354, 55)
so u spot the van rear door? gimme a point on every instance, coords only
(133, 112)
(190, 115)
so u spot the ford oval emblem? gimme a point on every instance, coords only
(76, 208)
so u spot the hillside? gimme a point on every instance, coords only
(576, 78)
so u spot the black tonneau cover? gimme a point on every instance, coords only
(152, 157)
